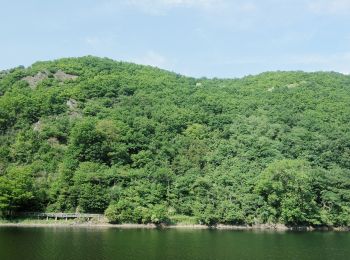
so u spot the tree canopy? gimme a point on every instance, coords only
(142, 144)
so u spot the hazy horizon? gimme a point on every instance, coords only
(203, 38)
(198, 77)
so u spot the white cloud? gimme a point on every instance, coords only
(248, 7)
(330, 6)
(339, 62)
(152, 58)
(93, 41)
(322, 59)
(157, 7)
(100, 43)
(328, 62)
(168, 4)
(161, 7)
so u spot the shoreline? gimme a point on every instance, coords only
(262, 227)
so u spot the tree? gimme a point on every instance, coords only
(91, 187)
(16, 189)
(286, 188)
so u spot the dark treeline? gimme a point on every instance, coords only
(144, 145)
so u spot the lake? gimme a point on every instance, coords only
(108, 243)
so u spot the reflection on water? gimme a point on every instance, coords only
(104, 243)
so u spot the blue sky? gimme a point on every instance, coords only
(212, 38)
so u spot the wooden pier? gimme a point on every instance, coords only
(65, 216)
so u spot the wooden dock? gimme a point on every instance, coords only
(65, 216)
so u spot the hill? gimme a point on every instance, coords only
(146, 145)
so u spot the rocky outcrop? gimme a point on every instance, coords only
(60, 75)
(74, 111)
(33, 81)
(37, 127)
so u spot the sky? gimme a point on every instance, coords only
(203, 38)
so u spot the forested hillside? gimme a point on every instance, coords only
(144, 145)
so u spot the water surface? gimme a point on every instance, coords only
(107, 243)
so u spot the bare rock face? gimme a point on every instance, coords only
(75, 115)
(72, 104)
(33, 81)
(297, 84)
(37, 127)
(73, 108)
(53, 141)
(61, 75)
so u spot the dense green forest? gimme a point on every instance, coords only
(145, 145)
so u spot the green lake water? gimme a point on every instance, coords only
(100, 243)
